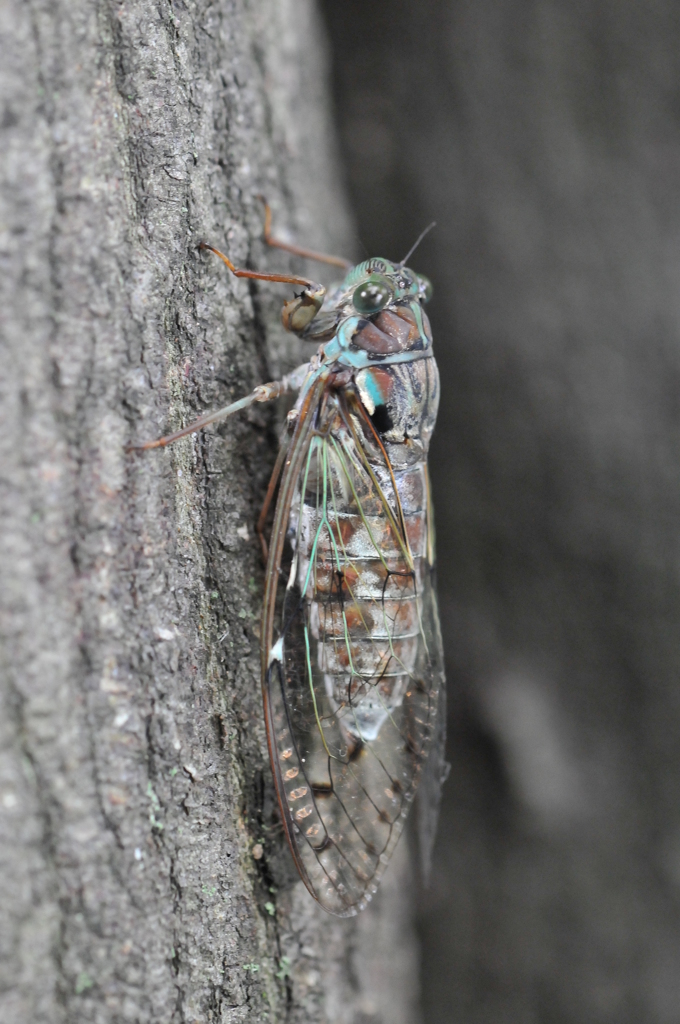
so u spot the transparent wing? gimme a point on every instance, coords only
(437, 768)
(428, 799)
(353, 678)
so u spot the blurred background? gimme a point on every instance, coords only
(544, 139)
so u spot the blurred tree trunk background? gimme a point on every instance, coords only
(142, 870)
(544, 138)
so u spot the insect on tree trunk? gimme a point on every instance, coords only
(144, 875)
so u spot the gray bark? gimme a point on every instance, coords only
(544, 139)
(134, 782)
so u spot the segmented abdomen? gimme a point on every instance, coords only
(352, 684)
(364, 596)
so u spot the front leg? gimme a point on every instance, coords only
(299, 312)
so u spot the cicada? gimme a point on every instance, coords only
(352, 677)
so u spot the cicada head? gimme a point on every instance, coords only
(377, 283)
(381, 302)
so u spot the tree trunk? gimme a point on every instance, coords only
(135, 793)
(544, 139)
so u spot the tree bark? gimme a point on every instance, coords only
(134, 784)
(543, 138)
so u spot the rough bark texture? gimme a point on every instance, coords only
(544, 138)
(133, 775)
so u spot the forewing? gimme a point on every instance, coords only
(437, 768)
(354, 675)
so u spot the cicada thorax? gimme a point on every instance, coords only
(400, 399)
(356, 617)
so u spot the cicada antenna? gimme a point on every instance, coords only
(417, 242)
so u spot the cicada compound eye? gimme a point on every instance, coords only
(373, 295)
(424, 288)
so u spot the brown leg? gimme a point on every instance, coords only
(335, 261)
(298, 313)
(256, 275)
